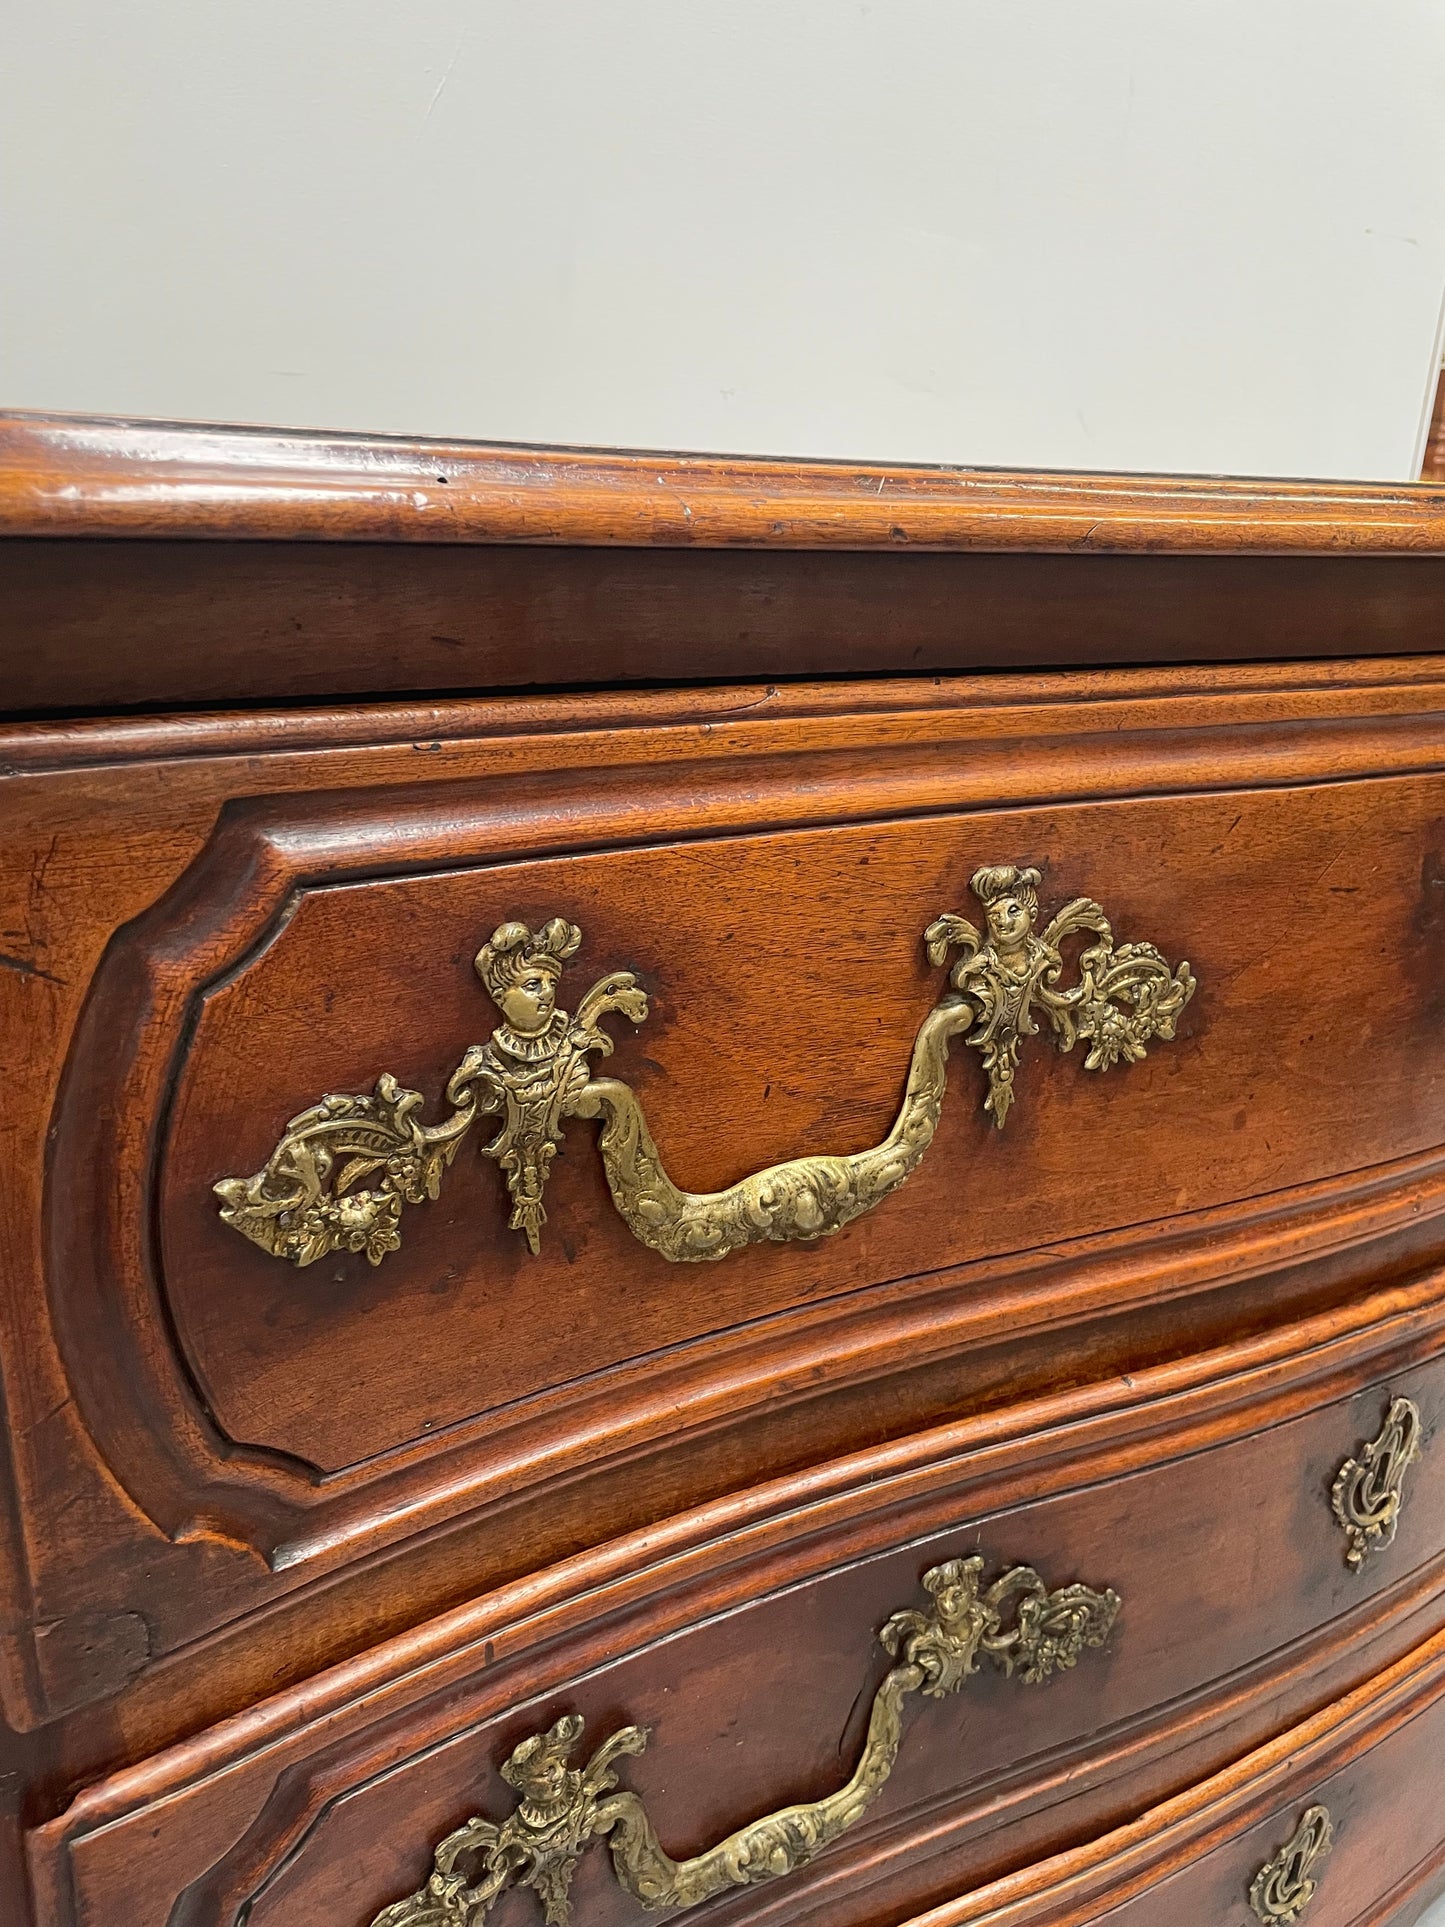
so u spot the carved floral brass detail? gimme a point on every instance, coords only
(533, 1071)
(1285, 1886)
(537, 1846)
(303, 1204)
(1123, 999)
(343, 1171)
(1369, 1490)
(1016, 1623)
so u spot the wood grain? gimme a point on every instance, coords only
(289, 1560)
(95, 625)
(68, 475)
(746, 1649)
(1433, 468)
(1372, 1757)
(729, 1089)
(201, 1496)
(241, 566)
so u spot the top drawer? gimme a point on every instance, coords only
(764, 867)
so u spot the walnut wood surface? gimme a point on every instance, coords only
(95, 625)
(288, 1560)
(1372, 1758)
(331, 1806)
(343, 566)
(66, 475)
(171, 1383)
(730, 1088)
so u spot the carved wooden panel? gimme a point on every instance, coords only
(292, 1557)
(1371, 1764)
(748, 1646)
(233, 934)
(787, 978)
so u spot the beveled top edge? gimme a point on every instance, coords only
(111, 477)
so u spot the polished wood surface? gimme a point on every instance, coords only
(64, 476)
(1373, 1757)
(744, 1643)
(93, 626)
(277, 567)
(193, 972)
(289, 1559)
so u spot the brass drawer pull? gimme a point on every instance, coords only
(1369, 1490)
(1285, 1886)
(1017, 1623)
(309, 1198)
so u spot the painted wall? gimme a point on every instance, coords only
(1141, 234)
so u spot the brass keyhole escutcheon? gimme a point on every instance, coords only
(1369, 1490)
(1285, 1886)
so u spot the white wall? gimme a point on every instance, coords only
(1150, 234)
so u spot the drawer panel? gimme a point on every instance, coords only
(201, 1429)
(1337, 1823)
(752, 1665)
(776, 1035)
(1275, 1080)
(1353, 1848)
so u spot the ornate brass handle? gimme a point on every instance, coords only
(1017, 1623)
(343, 1171)
(1369, 1490)
(1285, 1886)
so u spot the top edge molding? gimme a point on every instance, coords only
(108, 477)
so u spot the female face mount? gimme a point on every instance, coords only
(521, 971)
(1011, 904)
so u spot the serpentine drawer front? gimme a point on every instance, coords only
(282, 1026)
(743, 1714)
(790, 1064)
(1364, 1779)
(981, 982)
(1334, 1823)
(312, 1198)
(779, 1049)
(1016, 1622)
(651, 1287)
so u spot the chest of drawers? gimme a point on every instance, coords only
(724, 1191)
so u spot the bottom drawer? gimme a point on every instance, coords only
(1243, 1507)
(1340, 1822)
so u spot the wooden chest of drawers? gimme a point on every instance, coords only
(724, 1190)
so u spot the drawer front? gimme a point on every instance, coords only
(242, 1425)
(771, 1036)
(1194, 1586)
(1358, 1842)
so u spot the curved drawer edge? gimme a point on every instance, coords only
(1298, 1405)
(1093, 1882)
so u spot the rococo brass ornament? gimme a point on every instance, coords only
(1123, 998)
(344, 1169)
(1285, 1886)
(1017, 1623)
(1369, 1491)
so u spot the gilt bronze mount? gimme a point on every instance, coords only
(1369, 1490)
(1285, 1886)
(344, 1170)
(1016, 1623)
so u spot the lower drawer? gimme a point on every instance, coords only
(1219, 1548)
(1340, 1822)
